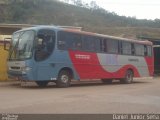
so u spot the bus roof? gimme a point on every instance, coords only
(111, 37)
(78, 30)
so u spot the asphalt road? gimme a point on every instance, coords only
(143, 96)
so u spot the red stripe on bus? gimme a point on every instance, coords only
(88, 66)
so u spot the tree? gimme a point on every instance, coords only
(78, 2)
(94, 5)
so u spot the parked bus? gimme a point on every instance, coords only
(52, 54)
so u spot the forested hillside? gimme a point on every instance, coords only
(96, 19)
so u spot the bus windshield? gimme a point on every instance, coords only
(21, 45)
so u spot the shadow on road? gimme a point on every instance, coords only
(51, 85)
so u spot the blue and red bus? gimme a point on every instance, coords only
(52, 54)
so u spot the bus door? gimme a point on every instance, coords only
(156, 59)
(44, 47)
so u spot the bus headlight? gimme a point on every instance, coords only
(25, 69)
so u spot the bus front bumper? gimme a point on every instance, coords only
(17, 75)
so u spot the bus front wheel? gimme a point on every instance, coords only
(64, 79)
(128, 77)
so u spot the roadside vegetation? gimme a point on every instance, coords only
(91, 18)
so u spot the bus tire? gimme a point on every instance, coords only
(128, 79)
(64, 79)
(42, 83)
(107, 81)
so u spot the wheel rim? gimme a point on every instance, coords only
(64, 78)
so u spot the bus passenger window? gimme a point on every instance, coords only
(112, 46)
(149, 51)
(89, 43)
(97, 44)
(126, 48)
(78, 45)
(133, 49)
(61, 44)
(139, 49)
(63, 40)
(103, 45)
(76, 40)
(67, 40)
(145, 50)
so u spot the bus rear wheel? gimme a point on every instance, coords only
(128, 77)
(64, 79)
(42, 83)
(107, 81)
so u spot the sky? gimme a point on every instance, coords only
(141, 9)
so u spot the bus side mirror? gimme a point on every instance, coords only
(7, 43)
